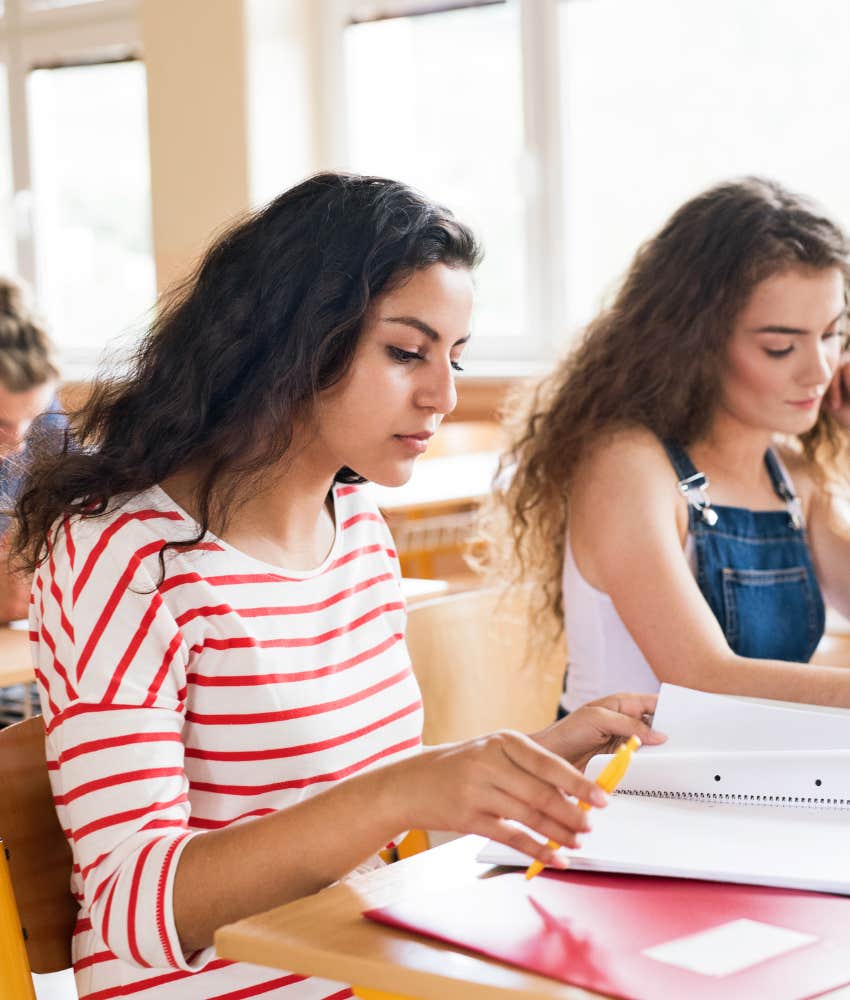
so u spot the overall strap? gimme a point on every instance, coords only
(693, 485)
(679, 459)
(783, 487)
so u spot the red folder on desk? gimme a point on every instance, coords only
(645, 938)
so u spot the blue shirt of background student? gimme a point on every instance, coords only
(49, 429)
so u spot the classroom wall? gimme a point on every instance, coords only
(194, 52)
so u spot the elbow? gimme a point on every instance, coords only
(715, 673)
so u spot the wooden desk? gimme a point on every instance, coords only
(440, 484)
(16, 669)
(15, 662)
(432, 515)
(415, 589)
(325, 935)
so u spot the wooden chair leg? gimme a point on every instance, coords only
(17, 978)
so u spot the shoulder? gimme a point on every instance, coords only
(360, 521)
(627, 455)
(133, 529)
(625, 479)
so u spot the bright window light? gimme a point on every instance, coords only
(662, 99)
(91, 191)
(435, 100)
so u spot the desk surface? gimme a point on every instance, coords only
(15, 662)
(441, 482)
(326, 935)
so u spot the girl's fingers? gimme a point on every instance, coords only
(618, 724)
(505, 806)
(542, 769)
(505, 833)
(636, 705)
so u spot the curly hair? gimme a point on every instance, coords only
(651, 359)
(239, 352)
(27, 357)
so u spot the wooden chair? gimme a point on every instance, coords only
(481, 666)
(37, 910)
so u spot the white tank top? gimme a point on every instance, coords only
(603, 656)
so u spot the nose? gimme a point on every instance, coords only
(820, 363)
(438, 392)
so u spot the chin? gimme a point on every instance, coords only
(398, 479)
(396, 476)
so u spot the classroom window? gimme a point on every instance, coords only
(48, 4)
(435, 100)
(7, 214)
(91, 190)
(708, 91)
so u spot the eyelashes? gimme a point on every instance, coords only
(402, 356)
(405, 357)
(783, 352)
(771, 353)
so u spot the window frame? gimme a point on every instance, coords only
(541, 158)
(86, 33)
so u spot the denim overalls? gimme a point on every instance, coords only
(754, 567)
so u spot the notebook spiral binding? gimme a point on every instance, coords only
(801, 801)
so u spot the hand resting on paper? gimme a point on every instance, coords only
(600, 727)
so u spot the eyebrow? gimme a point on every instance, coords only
(422, 327)
(795, 329)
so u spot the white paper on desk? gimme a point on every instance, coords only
(794, 848)
(696, 720)
(743, 791)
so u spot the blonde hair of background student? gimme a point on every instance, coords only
(657, 364)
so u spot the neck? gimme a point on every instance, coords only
(287, 521)
(730, 452)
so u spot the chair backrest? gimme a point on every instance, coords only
(481, 666)
(39, 856)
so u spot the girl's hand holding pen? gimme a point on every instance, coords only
(478, 785)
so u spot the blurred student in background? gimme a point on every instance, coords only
(30, 416)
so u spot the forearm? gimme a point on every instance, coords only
(472, 787)
(778, 679)
(228, 874)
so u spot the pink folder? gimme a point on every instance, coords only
(593, 930)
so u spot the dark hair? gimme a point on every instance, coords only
(653, 359)
(27, 358)
(240, 351)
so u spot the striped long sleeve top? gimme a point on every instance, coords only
(226, 689)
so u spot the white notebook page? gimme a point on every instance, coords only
(794, 848)
(743, 791)
(695, 720)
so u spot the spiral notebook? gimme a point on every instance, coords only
(745, 790)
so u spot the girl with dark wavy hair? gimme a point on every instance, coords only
(676, 477)
(232, 720)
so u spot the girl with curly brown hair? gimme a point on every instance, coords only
(677, 479)
(217, 621)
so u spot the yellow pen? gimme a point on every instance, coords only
(610, 776)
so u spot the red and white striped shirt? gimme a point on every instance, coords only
(228, 690)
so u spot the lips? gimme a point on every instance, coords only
(808, 401)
